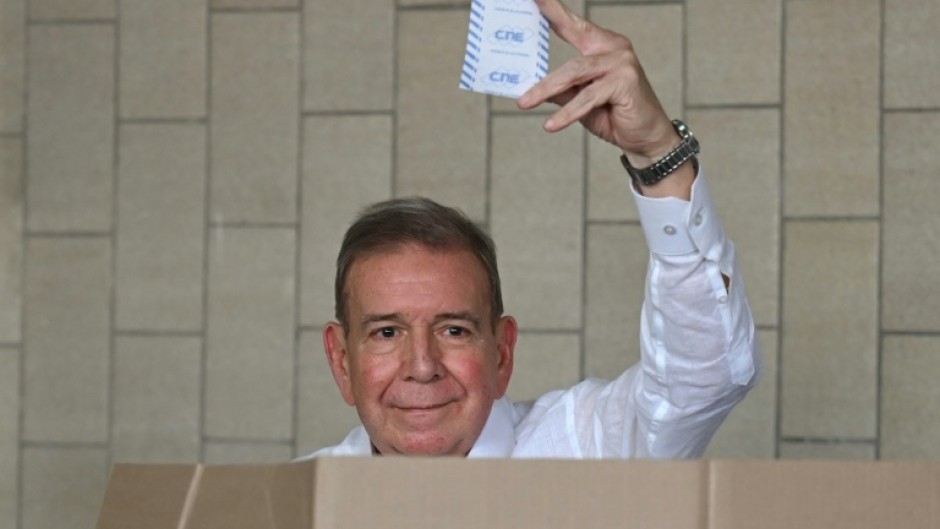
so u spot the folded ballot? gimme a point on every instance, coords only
(507, 47)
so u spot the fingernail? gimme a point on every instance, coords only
(549, 124)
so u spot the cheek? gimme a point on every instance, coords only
(476, 373)
(371, 376)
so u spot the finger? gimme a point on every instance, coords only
(563, 98)
(585, 36)
(573, 73)
(560, 18)
(586, 100)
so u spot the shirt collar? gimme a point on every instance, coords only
(498, 437)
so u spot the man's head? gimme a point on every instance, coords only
(386, 226)
(420, 347)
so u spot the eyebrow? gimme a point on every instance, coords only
(376, 318)
(463, 315)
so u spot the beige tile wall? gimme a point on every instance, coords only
(175, 177)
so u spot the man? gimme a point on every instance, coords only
(423, 351)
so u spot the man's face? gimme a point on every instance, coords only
(422, 361)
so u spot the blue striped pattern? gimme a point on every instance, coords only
(474, 43)
(542, 64)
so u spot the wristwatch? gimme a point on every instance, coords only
(685, 151)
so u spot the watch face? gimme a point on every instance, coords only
(681, 128)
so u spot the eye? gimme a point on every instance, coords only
(386, 332)
(456, 332)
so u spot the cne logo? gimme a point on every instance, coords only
(511, 35)
(505, 77)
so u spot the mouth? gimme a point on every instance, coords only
(419, 408)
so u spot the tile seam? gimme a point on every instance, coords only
(910, 110)
(612, 222)
(207, 233)
(733, 106)
(72, 22)
(566, 332)
(393, 177)
(781, 232)
(833, 218)
(585, 244)
(488, 167)
(538, 111)
(163, 120)
(213, 225)
(828, 440)
(96, 234)
(911, 333)
(504, 114)
(112, 261)
(585, 190)
(299, 231)
(98, 445)
(253, 10)
(156, 333)
(249, 441)
(24, 171)
(879, 292)
(347, 112)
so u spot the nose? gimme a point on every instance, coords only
(422, 361)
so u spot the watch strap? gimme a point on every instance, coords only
(687, 148)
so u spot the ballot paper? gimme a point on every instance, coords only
(507, 47)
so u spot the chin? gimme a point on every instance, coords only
(431, 446)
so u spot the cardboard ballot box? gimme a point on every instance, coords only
(417, 493)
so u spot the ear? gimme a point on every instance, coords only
(506, 332)
(334, 343)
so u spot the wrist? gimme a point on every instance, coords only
(650, 156)
(670, 173)
(660, 140)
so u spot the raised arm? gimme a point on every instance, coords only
(699, 355)
(607, 90)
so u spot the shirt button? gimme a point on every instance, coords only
(698, 219)
(723, 299)
(670, 229)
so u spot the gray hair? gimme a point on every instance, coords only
(385, 226)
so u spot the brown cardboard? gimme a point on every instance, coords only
(825, 494)
(417, 493)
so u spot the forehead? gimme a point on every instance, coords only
(417, 272)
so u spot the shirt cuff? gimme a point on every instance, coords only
(674, 226)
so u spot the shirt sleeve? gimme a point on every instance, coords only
(699, 353)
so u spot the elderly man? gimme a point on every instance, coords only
(423, 351)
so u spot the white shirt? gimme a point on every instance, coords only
(698, 350)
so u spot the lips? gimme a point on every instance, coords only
(422, 407)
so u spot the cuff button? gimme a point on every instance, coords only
(670, 229)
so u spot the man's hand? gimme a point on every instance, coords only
(608, 92)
